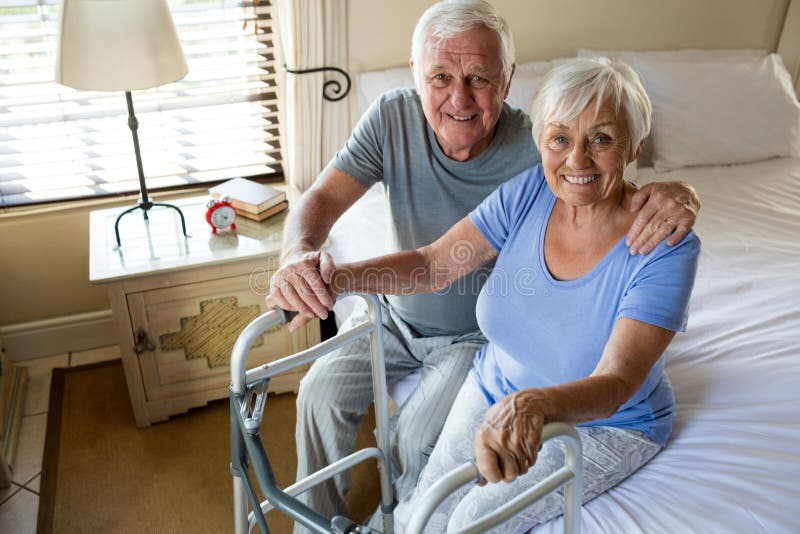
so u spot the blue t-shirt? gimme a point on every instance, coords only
(544, 332)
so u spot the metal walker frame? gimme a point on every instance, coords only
(247, 401)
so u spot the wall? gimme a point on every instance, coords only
(45, 266)
(380, 32)
(44, 262)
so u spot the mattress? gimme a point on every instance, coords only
(733, 461)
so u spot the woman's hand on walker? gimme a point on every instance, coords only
(508, 440)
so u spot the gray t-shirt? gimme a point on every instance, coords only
(427, 192)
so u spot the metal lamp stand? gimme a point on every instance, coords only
(144, 203)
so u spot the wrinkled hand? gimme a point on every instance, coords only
(509, 438)
(301, 285)
(666, 210)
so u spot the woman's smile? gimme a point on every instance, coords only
(583, 179)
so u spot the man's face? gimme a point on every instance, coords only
(460, 83)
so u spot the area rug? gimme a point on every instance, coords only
(101, 473)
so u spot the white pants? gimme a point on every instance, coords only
(609, 456)
(337, 391)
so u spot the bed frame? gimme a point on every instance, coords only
(789, 42)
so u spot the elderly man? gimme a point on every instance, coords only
(439, 150)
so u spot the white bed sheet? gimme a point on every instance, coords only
(733, 461)
(359, 233)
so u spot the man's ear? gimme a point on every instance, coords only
(508, 83)
(413, 73)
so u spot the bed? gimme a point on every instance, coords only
(733, 461)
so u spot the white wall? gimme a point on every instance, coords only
(380, 32)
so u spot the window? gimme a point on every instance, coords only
(221, 121)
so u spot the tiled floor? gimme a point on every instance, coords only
(19, 504)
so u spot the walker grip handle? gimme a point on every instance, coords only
(286, 315)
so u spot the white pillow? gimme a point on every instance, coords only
(712, 113)
(370, 85)
(734, 55)
(526, 81)
(524, 84)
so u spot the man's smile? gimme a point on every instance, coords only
(462, 118)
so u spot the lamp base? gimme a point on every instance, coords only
(145, 206)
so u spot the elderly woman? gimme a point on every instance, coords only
(577, 326)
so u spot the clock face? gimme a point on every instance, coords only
(223, 216)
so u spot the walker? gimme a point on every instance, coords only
(247, 400)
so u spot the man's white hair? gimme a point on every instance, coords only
(569, 88)
(447, 19)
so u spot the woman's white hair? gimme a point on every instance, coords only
(447, 19)
(569, 88)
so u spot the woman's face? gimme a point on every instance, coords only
(584, 159)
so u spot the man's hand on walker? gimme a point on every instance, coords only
(301, 285)
(667, 210)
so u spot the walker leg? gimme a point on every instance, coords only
(380, 397)
(240, 524)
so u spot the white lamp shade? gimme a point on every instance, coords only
(118, 45)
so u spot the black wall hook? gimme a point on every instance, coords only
(331, 90)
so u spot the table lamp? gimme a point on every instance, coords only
(120, 45)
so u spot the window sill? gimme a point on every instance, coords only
(90, 204)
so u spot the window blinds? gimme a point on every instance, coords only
(221, 121)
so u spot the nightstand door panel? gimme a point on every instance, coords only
(192, 329)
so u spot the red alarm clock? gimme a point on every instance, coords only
(220, 214)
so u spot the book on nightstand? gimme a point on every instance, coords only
(269, 212)
(250, 198)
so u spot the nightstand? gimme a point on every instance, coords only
(179, 304)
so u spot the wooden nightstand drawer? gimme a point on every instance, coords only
(180, 303)
(192, 329)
